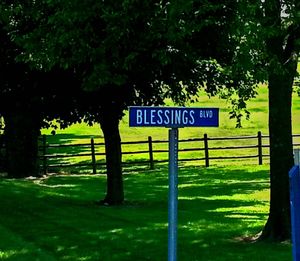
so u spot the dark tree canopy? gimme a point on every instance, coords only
(146, 51)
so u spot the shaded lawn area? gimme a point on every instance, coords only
(56, 218)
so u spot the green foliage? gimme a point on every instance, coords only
(55, 218)
(144, 51)
(220, 46)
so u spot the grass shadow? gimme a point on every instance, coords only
(57, 215)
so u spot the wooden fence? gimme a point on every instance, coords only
(251, 148)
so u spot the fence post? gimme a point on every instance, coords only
(93, 155)
(44, 151)
(259, 146)
(150, 152)
(206, 150)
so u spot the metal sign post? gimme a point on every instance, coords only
(173, 194)
(173, 118)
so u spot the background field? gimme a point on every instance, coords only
(258, 108)
(81, 134)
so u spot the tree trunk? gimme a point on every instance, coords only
(109, 123)
(21, 141)
(278, 226)
(282, 70)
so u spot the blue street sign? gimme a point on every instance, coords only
(173, 117)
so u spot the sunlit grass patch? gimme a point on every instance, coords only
(55, 218)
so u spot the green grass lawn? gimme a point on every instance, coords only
(56, 219)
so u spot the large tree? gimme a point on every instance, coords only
(129, 52)
(268, 43)
(282, 21)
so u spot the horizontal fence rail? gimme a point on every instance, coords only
(149, 152)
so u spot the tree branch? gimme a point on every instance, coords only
(292, 48)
